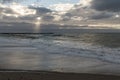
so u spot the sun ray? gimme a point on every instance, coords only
(37, 24)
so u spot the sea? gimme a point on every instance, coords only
(34, 51)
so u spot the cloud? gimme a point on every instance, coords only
(93, 10)
(62, 7)
(41, 10)
(85, 3)
(47, 18)
(85, 10)
(19, 12)
(106, 5)
(101, 5)
(16, 10)
(10, 1)
(102, 15)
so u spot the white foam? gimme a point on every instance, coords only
(65, 46)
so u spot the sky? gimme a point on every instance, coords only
(45, 3)
(65, 12)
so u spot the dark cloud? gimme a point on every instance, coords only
(106, 5)
(101, 16)
(68, 14)
(8, 10)
(94, 9)
(47, 18)
(27, 17)
(41, 10)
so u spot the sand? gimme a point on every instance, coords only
(44, 75)
(22, 59)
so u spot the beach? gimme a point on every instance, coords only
(59, 40)
(44, 75)
(81, 55)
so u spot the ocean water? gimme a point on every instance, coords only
(25, 51)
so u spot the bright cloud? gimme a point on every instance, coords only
(85, 3)
(62, 7)
(22, 10)
(16, 10)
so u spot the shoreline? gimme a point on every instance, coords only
(51, 75)
(55, 62)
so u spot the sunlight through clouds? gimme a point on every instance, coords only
(78, 12)
(37, 24)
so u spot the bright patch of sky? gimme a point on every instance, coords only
(47, 3)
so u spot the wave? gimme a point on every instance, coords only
(100, 46)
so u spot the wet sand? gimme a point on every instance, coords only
(32, 59)
(44, 75)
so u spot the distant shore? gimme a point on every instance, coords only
(45, 75)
